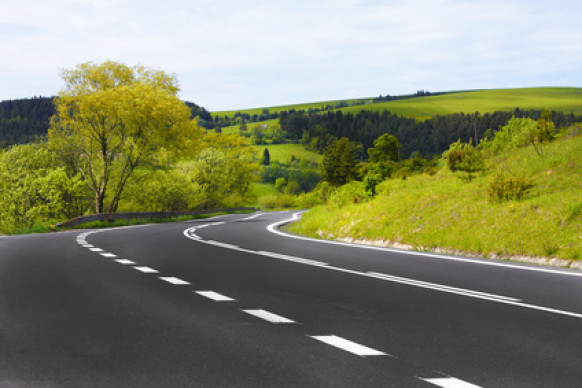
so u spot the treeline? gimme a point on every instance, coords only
(22, 121)
(26, 120)
(426, 138)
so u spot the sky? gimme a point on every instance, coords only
(236, 54)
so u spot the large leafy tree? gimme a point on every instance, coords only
(111, 118)
(339, 162)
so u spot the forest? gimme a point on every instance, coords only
(425, 138)
(25, 120)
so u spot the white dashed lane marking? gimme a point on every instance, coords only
(125, 261)
(146, 270)
(175, 281)
(450, 382)
(109, 255)
(215, 296)
(268, 316)
(348, 345)
(96, 249)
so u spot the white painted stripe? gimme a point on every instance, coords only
(106, 254)
(125, 261)
(96, 249)
(440, 287)
(87, 246)
(268, 316)
(146, 270)
(221, 244)
(273, 229)
(450, 382)
(348, 345)
(292, 258)
(215, 296)
(175, 281)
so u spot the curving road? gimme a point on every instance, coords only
(231, 301)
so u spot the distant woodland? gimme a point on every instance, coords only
(23, 121)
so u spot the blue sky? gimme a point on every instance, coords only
(234, 54)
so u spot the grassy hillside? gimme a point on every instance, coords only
(284, 152)
(425, 212)
(559, 99)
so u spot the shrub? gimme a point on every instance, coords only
(353, 192)
(268, 201)
(502, 188)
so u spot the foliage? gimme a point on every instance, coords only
(35, 189)
(386, 148)
(339, 162)
(274, 201)
(425, 212)
(505, 189)
(464, 158)
(353, 192)
(112, 118)
(266, 159)
(304, 173)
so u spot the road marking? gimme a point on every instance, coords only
(146, 270)
(292, 258)
(222, 245)
(215, 296)
(87, 245)
(443, 288)
(268, 316)
(348, 345)
(106, 254)
(125, 261)
(175, 281)
(96, 249)
(450, 382)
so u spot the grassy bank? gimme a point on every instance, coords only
(442, 211)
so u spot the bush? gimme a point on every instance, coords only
(268, 201)
(353, 192)
(308, 200)
(502, 188)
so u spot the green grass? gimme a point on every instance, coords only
(280, 108)
(443, 211)
(283, 152)
(259, 190)
(484, 101)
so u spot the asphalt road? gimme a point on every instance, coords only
(229, 302)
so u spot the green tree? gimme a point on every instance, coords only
(34, 188)
(111, 118)
(386, 148)
(266, 159)
(339, 162)
(465, 158)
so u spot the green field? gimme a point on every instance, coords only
(275, 109)
(483, 101)
(283, 152)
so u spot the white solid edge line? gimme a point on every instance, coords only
(215, 296)
(348, 345)
(269, 316)
(273, 229)
(449, 382)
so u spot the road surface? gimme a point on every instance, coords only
(231, 301)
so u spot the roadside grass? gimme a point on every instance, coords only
(284, 152)
(445, 212)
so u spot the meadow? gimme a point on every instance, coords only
(483, 101)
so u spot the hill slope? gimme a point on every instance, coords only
(425, 212)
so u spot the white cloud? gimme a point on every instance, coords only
(243, 53)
